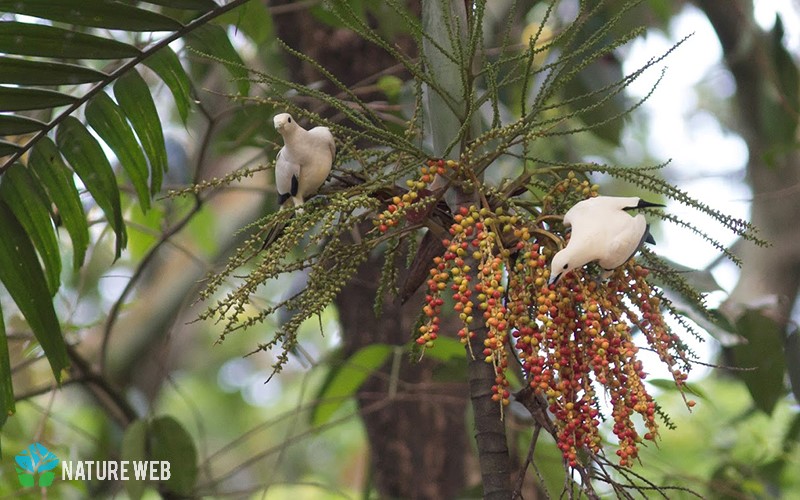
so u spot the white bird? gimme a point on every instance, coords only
(602, 231)
(304, 161)
(302, 164)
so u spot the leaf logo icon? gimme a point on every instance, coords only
(36, 460)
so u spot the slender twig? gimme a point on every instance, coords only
(107, 396)
(372, 408)
(45, 415)
(185, 250)
(44, 389)
(113, 314)
(528, 461)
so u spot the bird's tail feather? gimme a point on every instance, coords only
(648, 236)
(273, 234)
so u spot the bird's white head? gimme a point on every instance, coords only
(561, 265)
(284, 123)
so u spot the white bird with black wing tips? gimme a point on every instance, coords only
(302, 164)
(304, 161)
(602, 231)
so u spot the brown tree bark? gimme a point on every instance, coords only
(418, 439)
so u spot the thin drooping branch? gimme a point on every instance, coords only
(114, 403)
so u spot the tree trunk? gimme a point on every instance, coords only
(418, 441)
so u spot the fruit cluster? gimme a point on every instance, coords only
(572, 339)
(413, 203)
(474, 237)
(582, 337)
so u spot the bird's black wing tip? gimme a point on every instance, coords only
(295, 185)
(648, 236)
(282, 197)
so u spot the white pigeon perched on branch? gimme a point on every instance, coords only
(602, 231)
(304, 161)
(302, 164)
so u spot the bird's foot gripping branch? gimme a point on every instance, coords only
(572, 340)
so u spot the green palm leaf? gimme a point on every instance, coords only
(46, 66)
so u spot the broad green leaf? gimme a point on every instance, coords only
(108, 120)
(451, 355)
(30, 205)
(168, 67)
(87, 158)
(774, 469)
(792, 353)
(780, 100)
(8, 148)
(133, 96)
(27, 72)
(201, 5)
(21, 99)
(97, 13)
(170, 442)
(214, 41)
(6, 387)
(345, 379)
(252, 18)
(48, 41)
(23, 278)
(788, 74)
(46, 163)
(762, 357)
(15, 125)
(792, 436)
(446, 349)
(134, 449)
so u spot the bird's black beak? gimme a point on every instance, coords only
(644, 204)
(647, 204)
